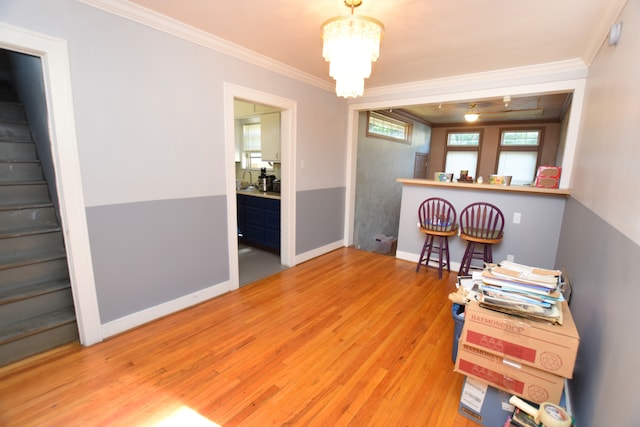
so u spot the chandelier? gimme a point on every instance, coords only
(351, 44)
(472, 113)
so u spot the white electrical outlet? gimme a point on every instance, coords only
(517, 216)
(510, 258)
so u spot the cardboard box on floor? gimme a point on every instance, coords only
(529, 383)
(484, 404)
(552, 348)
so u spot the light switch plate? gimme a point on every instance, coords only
(517, 216)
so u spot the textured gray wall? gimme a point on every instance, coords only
(600, 263)
(320, 218)
(148, 253)
(378, 194)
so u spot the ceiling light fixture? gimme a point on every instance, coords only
(472, 113)
(351, 44)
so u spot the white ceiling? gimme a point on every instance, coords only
(424, 39)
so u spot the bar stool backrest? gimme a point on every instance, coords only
(482, 220)
(437, 214)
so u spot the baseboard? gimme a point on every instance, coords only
(319, 251)
(410, 256)
(141, 317)
(407, 256)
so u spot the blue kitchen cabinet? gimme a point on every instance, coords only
(271, 211)
(259, 221)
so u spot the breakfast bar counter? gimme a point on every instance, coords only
(533, 218)
(489, 187)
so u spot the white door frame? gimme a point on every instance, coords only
(288, 200)
(54, 57)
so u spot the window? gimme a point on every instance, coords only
(462, 152)
(251, 148)
(383, 126)
(518, 154)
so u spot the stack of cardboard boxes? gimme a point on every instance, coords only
(523, 357)
(527, 358)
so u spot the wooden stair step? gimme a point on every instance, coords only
(13, 206)
(8, 296)
(28, 231)
(12, 112)
(34, 182)
(37, 324)
(32, 258)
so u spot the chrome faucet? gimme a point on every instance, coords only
(250, 176)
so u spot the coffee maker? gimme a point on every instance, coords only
(265, 182)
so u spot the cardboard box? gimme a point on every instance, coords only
(529, 383)
(548, 176)
(552, 348)
(484, 404)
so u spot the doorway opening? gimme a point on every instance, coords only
(57, 82)
(261, 219)
(258, 182)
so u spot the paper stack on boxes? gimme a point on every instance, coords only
(518, 334)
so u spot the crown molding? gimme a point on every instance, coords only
(157, 21)
(597, 35)
(540, 73)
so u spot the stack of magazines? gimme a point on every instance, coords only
(520, 290)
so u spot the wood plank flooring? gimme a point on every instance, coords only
(349, 338)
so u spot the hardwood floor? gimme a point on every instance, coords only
(349, 338)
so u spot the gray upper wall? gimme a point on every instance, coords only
(600, 235)
(149, 120)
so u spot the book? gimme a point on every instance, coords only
(488, 277)
(515, 297)
(551, 315)
(525, 277)
(551, 298)
(525, 268)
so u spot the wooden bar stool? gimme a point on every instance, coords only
(437, 222)
(481, 223)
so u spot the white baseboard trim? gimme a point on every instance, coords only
(141, 317)
(409, 256)
(319, 251)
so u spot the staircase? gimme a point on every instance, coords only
(36, 304)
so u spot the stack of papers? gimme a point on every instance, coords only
(520, 290)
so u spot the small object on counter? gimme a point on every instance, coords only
(443, 177)
(479, 181)
(500, 179)
(548, 177)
